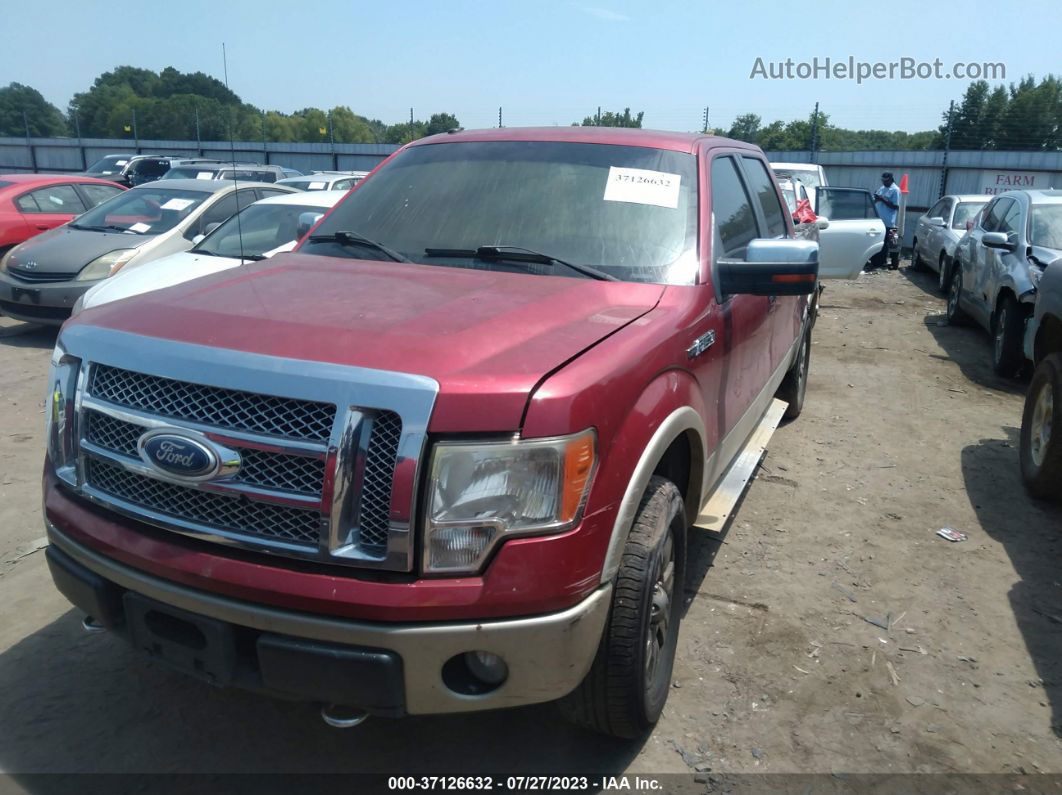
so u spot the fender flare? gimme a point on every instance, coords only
(682, 420)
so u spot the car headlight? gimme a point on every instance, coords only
(480, 494)
(59, 412)
(106, 265)
(4, 260)
(1035, 272)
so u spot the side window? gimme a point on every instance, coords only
(845, 204)
(150, 168)
(994, 214)
(27, 204)
(57, 199)
(215, 213)
(734, 221)
(97, 194)
(1012, 220)
(343, 184)
(762, 185)
(265, 193)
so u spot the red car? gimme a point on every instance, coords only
(33, 203)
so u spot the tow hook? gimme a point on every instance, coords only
(90, 624)
(339, 716)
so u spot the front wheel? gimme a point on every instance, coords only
(917, 263)
(1041, 431)
(956, 315)
(625, 690)
(795, 383)
(944, 274)
(1007, 334)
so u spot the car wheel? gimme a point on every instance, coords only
(625, 690)
(917, 263)
(1007, 333)
(795, 383)
(944, 273)
(956, 316)
(1041, 430)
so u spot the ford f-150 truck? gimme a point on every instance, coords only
(445, 455)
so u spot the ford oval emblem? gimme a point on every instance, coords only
(179, 455)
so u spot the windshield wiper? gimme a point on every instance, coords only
(518, 254)
(354, 239)
(105, 228)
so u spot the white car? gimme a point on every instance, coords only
(939, 230)
(851, 231)
(260, 230)
(325, 180)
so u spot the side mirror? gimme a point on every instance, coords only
(822, 222)
(197, 240)
(306, 223)
(772, 267)
(1000, 240)
(210, 228)
(936, 220)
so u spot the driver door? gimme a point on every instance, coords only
(854, 233)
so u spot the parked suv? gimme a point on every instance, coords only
(1041, 424)
(998, 266)
(132, 170)
(444, 456)
(255, 172)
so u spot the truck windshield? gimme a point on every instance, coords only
(628, 211)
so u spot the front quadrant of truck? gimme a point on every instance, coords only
(444, 456)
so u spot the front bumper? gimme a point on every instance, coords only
(320, 658)
(49, 303)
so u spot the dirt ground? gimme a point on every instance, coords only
(830, 631)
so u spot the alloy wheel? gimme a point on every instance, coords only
(1041, 426)
(657, 633)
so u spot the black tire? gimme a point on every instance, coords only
(944, 273)
(917, 263)
(1040, 450)
(621, 695)
(956, 315)
(1008, 331)
(795, 383)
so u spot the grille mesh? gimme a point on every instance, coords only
(226, 408)
(294, 473)
(379, 475)
(235, 514)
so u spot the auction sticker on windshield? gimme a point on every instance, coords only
(177, 204)
(640, 186)
(140, 227)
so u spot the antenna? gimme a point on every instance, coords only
(232, 152)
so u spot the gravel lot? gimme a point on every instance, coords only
(830, 631)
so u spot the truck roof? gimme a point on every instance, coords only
(618, 136)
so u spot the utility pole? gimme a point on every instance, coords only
(947, 148)
(265, 149)
(198, 139)
(29, 144)
(814, 132)
(332, 142)
(597, 122)
(500, 125)
(80, 146)
(411, 124)
(136, 134)
(705, 119)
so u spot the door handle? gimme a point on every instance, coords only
(41, 226)
(873, 232)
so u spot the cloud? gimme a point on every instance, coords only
(604, 13)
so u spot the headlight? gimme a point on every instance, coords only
(480, 494)
(7, 258)
(1035, 272)
(59, 412)
(106, 265)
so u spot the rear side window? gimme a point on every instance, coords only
(845, 204)
(97, 194)
(732, 214)
(53, 199)
(762, 186)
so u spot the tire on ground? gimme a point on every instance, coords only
(615, 697)
(795, 384)
(1043, 479)
(1008, 355)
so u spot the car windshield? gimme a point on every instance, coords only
(111, 164)
(964, 212)
(788, 193)
(262, 227)
(143, 211)
(628, 211)
(191, 172)
(1046, 226)
(306, 184)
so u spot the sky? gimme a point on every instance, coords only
(544, 62)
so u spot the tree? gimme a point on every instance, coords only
(610, 119)
(440, 123)
(44, 119)
(746, 127)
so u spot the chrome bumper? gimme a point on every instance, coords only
(547, 655)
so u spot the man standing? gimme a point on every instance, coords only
(887, 204)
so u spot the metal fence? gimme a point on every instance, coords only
(65, 155)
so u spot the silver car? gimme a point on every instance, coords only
(41, 279)
(939, 231)
(325, 180)
(998, 265)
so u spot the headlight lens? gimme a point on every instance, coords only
(480, 494)
(1035, 272)
(7, 258)
(106, 265)
(59, 412)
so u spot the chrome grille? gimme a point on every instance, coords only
(293, 473)
(224, 408)
(220, 512)
(374, 520)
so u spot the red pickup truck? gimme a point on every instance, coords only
(445, 455)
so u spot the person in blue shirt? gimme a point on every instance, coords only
(887, 205)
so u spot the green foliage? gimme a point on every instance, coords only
(1027, 115)
(610, 119)
(44, 119)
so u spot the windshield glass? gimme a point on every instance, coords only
(1046, 227)
(964, 212)
(264, 227)
(788, 193)
(143, 211)
(111, 164)
(628, 211)
(306, 184)
(191, 172)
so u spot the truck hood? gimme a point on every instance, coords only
(487, 338)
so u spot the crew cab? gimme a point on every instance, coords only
(445, 456)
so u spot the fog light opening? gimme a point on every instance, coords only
(475, 673)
